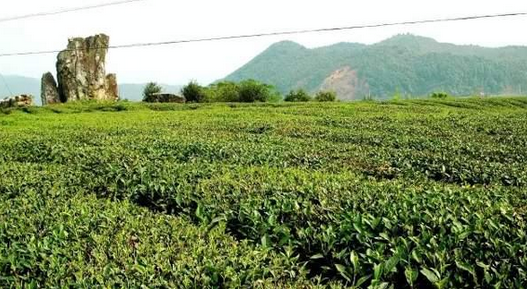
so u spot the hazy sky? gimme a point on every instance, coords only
(161, 20)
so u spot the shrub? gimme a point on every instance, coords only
(439, 95)
(225, 91)
(193, 92)
(299, 95)
(326, 96)
(165, 97)
(254, 91)
(150, 89)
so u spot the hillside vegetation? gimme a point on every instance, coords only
(400, 194)
(405, 64)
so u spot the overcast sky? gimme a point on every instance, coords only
(161, 20)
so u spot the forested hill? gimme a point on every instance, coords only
(403, 65)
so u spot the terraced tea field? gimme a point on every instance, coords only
(398, 194)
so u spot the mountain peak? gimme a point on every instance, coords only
(408, 40)
(287, 44)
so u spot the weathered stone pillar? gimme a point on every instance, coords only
(81, 70)
(49, 92)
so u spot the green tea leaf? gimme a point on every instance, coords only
(354, 259)
(317, 256)
(343, 272)
(431, 276)
(411, 275)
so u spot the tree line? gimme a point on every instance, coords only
(228, 91)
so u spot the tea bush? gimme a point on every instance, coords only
(420, 193)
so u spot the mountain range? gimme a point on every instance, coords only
(402, 65)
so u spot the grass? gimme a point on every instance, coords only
(407, 193)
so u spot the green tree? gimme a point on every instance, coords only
(150, 89)
(254, 91)
(225, 91)
(193, 92)
(439, 95)
(299, 95)
(326, 96)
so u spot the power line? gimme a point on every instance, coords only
(320, 30)
(67, 10)
(5, 83)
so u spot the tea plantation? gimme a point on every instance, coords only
(401, 194)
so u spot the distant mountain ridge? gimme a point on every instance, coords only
(27, 85)
(404, 64)
(19, 85)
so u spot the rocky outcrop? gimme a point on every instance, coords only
(112, 88)
(49, 92)
(346, 83)
(81, 70)
(81, 73)
(22, 100)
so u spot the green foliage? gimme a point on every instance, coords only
(400, 194)
(397, 95)
(415, 65)
(193, 92)
(439, 95)
(83, 241)
(326, 96)
(298, 95)
(224, 91)
(254, 91)
(150, 89)
(165, 97)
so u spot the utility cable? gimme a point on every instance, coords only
(67, 10)
(320, 30)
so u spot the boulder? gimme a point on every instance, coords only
(49, 92)
(81, 70)
(22, 100)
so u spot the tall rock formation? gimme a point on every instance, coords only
(111, 86)
(81, 70)
(81, 73)
(49, 92)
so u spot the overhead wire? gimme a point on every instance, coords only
(67, 10)
(280, 33)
